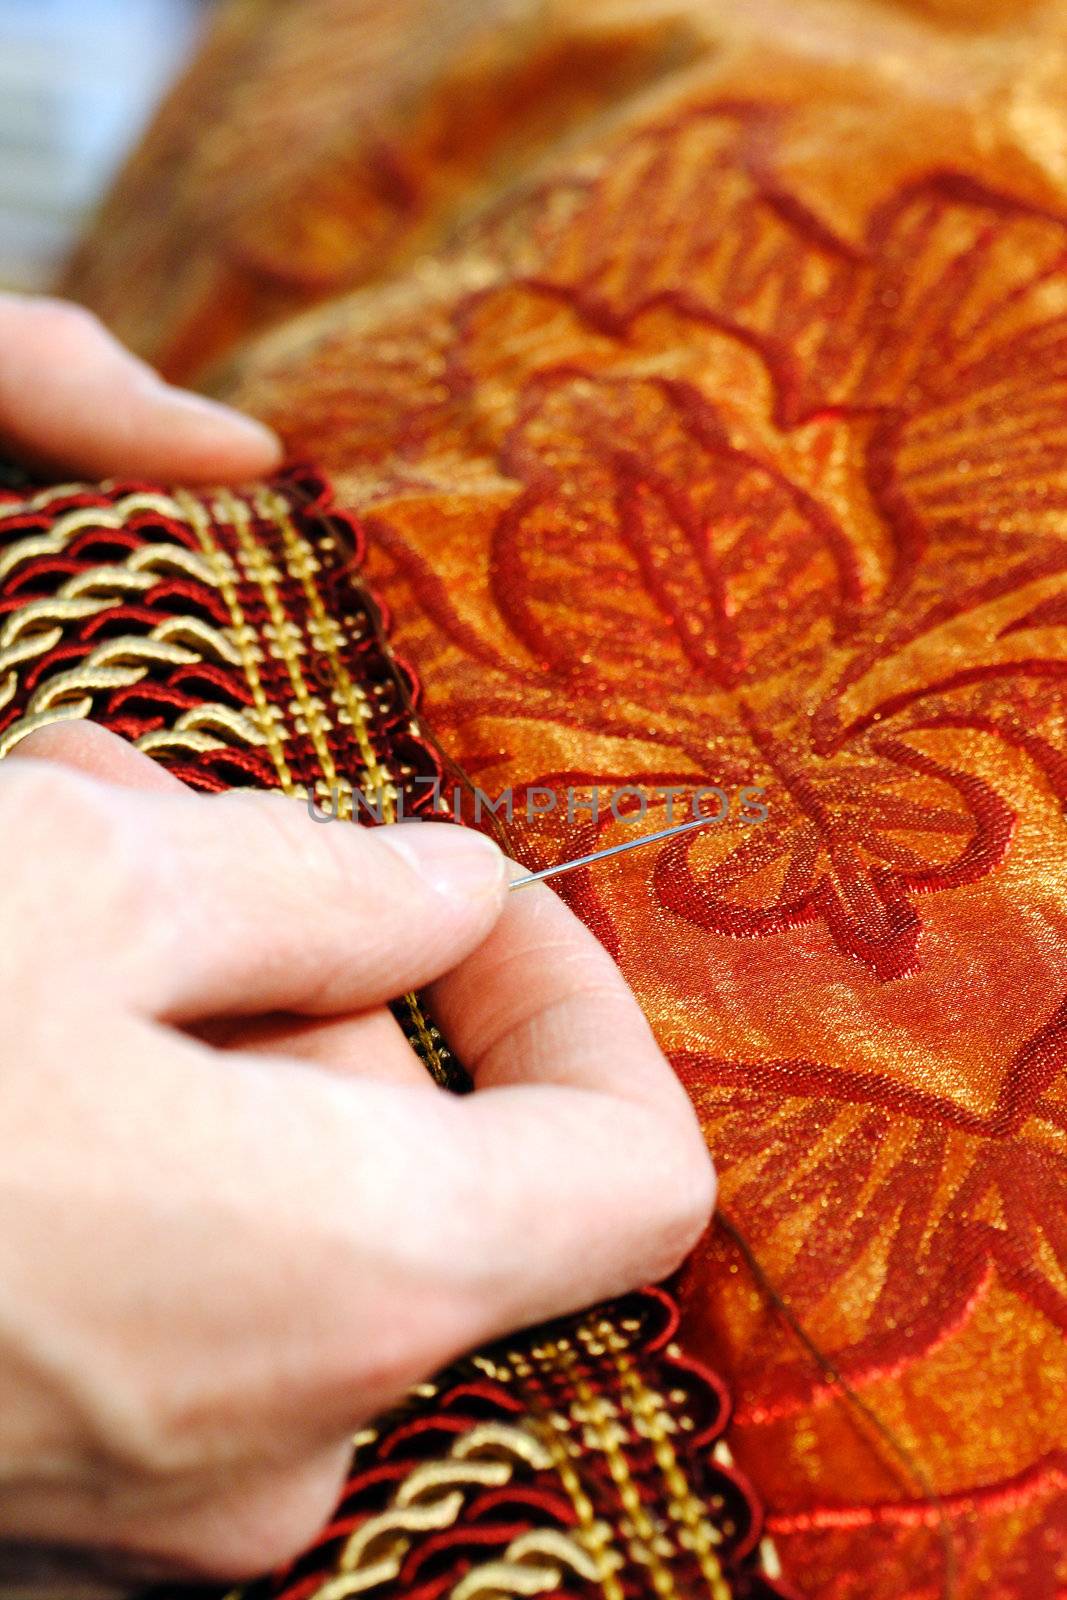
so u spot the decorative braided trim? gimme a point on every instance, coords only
(605, 1448)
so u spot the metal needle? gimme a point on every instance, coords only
(615, 850)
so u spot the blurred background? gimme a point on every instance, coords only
(78, 80)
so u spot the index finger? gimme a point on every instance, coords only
(73, 400)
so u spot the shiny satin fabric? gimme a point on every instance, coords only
(698, 373)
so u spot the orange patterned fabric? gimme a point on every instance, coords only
(709, 426)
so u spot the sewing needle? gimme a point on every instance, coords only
(614, 850)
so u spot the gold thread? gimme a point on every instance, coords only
(25, 650)
(302, 564)
(52, 609)
(189, 740)
(513, 1441)
(171, 558)
(598, 1417)
(105, 580)
(504, 1577)
(130, 648)
(210, 714)
(359, 1582)
(557, 1546)
(431, 1497)
(244, 635)
(346, 1584)
(257, 563)
(595, 1534)
(78, 681)
(206, 640)
(654, 1421)
(518, 1571)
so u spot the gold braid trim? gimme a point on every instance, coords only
(654, 1422)
(282, 634)
(598, 1421)
(200, 637)
(349, 699)
(353, 711)
(38, 627)
(244, 636)
(431, 1498)
(63, 530)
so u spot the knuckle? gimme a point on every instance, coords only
(277, 820)
(333, 865)
(156, 1423)
(687, 1190)
(128, 1418)
(37, 800)
(697, 1187)
(264, 1520)
(347, 858)
(145, 1433)
(63, 743)
(278, 1521)
(72, 830)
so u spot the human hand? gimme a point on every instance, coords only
(236, 1216)
(73, 400)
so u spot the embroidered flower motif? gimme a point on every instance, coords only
(756, 502)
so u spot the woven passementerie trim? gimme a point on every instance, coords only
(112, 603)
(228, 635)
(583, 1460)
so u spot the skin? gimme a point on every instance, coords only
(237, 1219)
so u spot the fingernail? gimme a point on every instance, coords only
(223, 416)
(454, 861)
